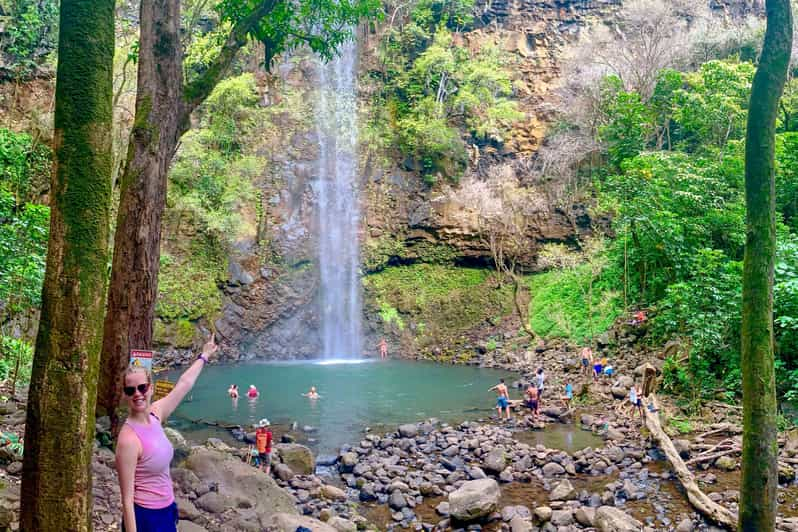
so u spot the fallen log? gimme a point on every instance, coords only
(700, 501)
(713, 456)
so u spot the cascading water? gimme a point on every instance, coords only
(338, 209)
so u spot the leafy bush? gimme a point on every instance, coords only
(13, 351)
(24, 165)
(30, 34)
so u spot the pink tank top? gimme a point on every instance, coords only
(153, 482)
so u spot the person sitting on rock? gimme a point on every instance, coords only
(263, 441)
(252, 393)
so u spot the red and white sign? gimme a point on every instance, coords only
(141, 359)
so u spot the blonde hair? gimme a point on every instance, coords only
(131, 369)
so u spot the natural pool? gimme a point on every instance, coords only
(353, 396)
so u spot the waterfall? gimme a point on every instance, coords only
(338, 209)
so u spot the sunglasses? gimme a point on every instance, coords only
(142, 388)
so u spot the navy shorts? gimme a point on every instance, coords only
(161, 520)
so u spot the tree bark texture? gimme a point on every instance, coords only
(760, 448)
(154, 138)
(56, 475)
(163, 110)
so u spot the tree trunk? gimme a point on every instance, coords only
(56, 475)
(156, 132)
(163, 110)
(760, 448)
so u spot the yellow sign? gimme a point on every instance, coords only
(162, 389)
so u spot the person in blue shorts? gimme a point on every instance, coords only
(609, 371)
(597, 367)
(502, 398)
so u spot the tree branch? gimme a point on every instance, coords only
(198, 90)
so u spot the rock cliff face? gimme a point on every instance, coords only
(271, 301)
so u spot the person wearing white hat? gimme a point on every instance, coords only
(252, 393)
(263, 442)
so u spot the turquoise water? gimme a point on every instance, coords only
(353, 396)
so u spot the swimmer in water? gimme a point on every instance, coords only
(232, 391)
(312, 394)
(252, 393)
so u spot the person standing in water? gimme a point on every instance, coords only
(144, 453)
(312, 394)
(252, 393)
(502, 398)
(383, 345)
(232, 391)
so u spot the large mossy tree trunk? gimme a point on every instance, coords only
(56, 475)
(760, 448)
(163, 110)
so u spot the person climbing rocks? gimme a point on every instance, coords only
(383, 345)
(597, 367)
(502, 398)
(532, 400)
(252, 393)
(144, 453)
(569, 394)
(636, 400)
(263, 442)
(587, 360)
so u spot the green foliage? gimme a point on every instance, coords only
(437, 96)
(30, 34)
(187, 290)
(24, 231)
(24, 165)
(787, 178)
(322, 25)
(559, 307)
(13, 350)
(437, 303)
(456, 15)
(377, 252)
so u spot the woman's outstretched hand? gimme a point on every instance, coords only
(210, 348)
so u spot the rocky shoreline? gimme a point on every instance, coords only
(475, 475)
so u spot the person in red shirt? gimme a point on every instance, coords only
(263, 442)
(252, 393)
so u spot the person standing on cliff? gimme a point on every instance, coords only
(383, 345)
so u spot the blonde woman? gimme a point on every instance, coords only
(143, 452)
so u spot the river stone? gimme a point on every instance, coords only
(476, 473)
(188, 526)
(543, 513)
(495, 461)
(682, 447)
(519, 524)
(348, 462)
(284, 522)
(397, 501)
(686, 525)
(186, 509)
(9, 505)
(341, 524)
(214, 502)
(727, 463)
(506, 475)
(585, 516)
(553, 469)
(610, 519)
(408, 430)
(331, 492)
(474, 499)
(298, 457)
(615, 454)
(786, 473)
(564, 491)
(238, 480)
(443, 509)
(283, 472)
(562, 517)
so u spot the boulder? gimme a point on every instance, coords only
(543, 513)
(727, 463)
(408, 430)
(686, 525)
(474, 499)
(188, 526)
(519, 524)
(397, 501)
(341, 524)
(214, 502)
(495, 461)
(298, 457)
(179, 444)
(585, 516)
(239, 481)
(553, 469)
(562, 518)
(347, 462)
(611, 519)
(283, 472)
(564, 491)
(9, 505)
(331, 492)
(285, 522)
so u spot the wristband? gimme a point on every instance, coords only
(203, 358)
